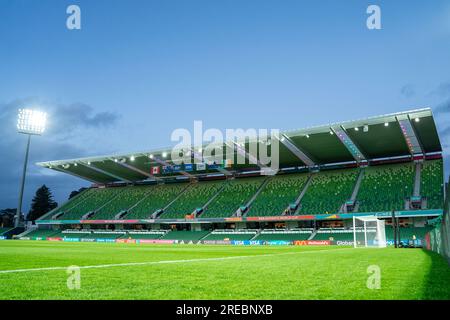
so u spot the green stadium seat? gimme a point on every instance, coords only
(432, 183)
(196, 196)
(236, 193)
(98, 198)
(277, 194)
(158, 197)
(124, 201)
(328, 191)
(385, 188)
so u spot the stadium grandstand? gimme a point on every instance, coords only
(381, 166)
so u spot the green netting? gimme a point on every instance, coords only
(384, 188)
(235, 194)
(277, 194)
(328, 191)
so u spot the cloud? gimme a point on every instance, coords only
(407, 90)
(442, 90)
(443, 107)
(64, 121)
(67, 118)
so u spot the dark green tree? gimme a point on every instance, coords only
(75, 192)
(42, 203)
(7, 217)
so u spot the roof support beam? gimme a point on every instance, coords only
(93, 167)
(133, 168)
(409, 134)
(342, 135)
(296, 151)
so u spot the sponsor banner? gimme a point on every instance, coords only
(247, 242)
(54, 239)
(278, 243)
(71, 239)
(186, 242)
(87, 240)
(2, 238)
(201, 166)
(417, 242)
(157, 241)
(189, 167)
(167, 169)
(37, 238)
(312, 242)
(281, 218)
(343, 243)
(109, 221)
(215, 242)
(126, 240)
(177, 168)
(25, 238)
(57, 221)
(214, 166)
(105, 240)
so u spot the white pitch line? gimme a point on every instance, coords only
(148, 263)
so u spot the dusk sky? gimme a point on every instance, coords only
(137, 70)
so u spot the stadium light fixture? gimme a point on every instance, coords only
(164, 154)
(307, 136)
(75, 164)
(29, 122)
(356, 129)
(417, 119)
(132, 158)
(386, 124)
(331, 132)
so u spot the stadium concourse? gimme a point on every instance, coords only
(379, 166)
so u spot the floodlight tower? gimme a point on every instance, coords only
(29, 122)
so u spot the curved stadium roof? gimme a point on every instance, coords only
(399, 134)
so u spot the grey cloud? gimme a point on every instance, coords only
(408, 90)
(443, 107)
(73, 116)
(442, 90)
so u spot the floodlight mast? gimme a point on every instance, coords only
(29, 122)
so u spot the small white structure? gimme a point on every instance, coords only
(368, 231)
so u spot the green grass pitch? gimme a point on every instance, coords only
(129, 271)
